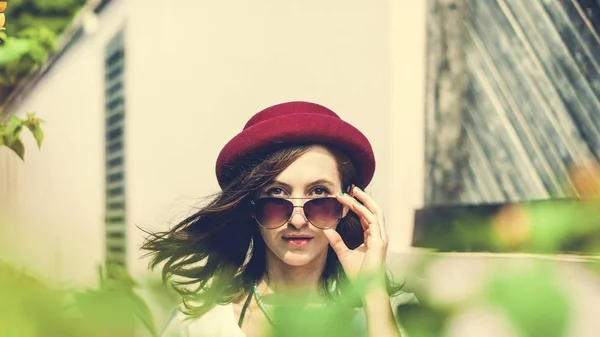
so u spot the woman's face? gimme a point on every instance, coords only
(313, 175)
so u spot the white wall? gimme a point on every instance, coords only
(407, 174)
(58, 193)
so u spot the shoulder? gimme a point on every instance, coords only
(176, 325)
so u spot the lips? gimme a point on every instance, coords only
(297, 237)
(297, 240)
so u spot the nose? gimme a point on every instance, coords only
(298, 218)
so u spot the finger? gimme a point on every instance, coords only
(336, 242)
(357, 208)
(373, 207)
(366, 200)
(384, 235)
(369, 220)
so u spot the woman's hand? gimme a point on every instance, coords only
(368, 259)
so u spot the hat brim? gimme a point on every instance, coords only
(299, 128)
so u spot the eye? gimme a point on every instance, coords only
(275, 191)
(321, 191)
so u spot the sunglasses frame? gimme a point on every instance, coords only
(253, 202)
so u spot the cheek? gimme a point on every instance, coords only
(322, 240)
(269, 235)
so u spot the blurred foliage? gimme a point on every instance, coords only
(554, 226)
(31, 308)
(112, 310)
(527, 301)
(423, 320)
(294, 317)
(55, 15)
(542, 226)
(519, 296)
(295, 320)
(533, 299)
(32, 28)
(28, 307)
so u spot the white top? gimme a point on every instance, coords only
(220, 321)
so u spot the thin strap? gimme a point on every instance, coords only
(170, 320)
(241, 320)
(262, 306)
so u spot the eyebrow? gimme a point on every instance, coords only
(316, 182)
(321, 182)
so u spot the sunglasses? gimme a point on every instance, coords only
(273, 212)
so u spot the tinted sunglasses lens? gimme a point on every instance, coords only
(323, 212)
(273, 212)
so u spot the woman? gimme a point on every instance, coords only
(292, 219)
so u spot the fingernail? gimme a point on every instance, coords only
(341, 194)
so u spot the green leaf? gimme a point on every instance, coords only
(13, 50)
(33, 124)
(39, 36)
(56, 5)
(104, 313)
(520, 294)
(38, 134)
(294, 320)
(422, 320)
(37, 52)
(18, 147)
(142, 311)
(12, 130)
(117, 277)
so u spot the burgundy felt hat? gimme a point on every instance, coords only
(294, 123)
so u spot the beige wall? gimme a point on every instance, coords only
(196, 71)
(407, 174)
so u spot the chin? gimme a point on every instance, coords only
(297, 260)
(300, 258)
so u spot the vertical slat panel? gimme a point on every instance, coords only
(115, 207)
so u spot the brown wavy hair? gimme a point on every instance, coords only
(217, 254)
